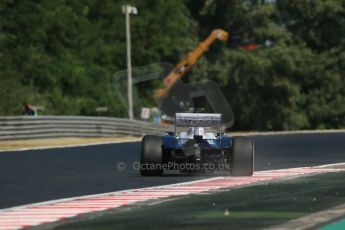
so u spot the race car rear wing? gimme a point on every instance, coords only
(198, 119)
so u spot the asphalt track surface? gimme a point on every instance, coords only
(41, 175)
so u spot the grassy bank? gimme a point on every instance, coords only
(245, 208)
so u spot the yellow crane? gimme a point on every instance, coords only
(184, 66)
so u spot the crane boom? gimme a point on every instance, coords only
(184, 66)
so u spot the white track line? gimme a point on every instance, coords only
(56, 210)
(254, 133)
(68, 146)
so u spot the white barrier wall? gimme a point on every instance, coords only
(30, 127)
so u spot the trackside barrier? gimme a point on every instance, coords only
(30, 127)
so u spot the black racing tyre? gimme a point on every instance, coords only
(151, 153)
(242, 156)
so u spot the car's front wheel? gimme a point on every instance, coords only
(242, 157)
(151, 156)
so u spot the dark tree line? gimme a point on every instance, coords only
(63, 54)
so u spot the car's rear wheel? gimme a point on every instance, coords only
(151, 156)
(242, 157)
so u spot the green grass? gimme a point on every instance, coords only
(338, 225)
(234, 214)
(253, 207)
